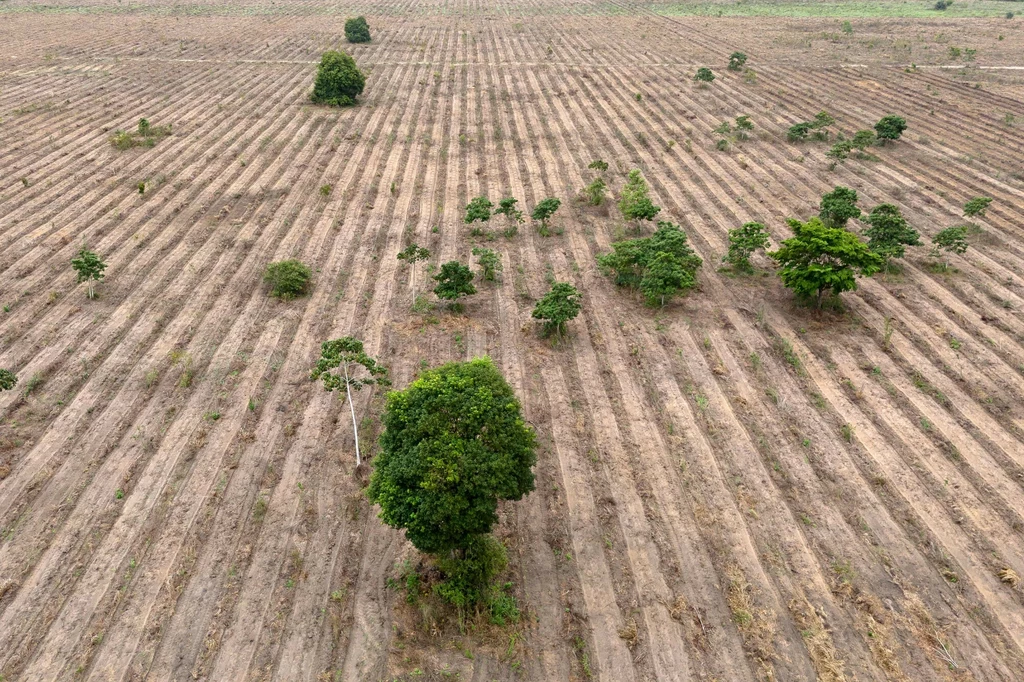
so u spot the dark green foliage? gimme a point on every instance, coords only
(942, 5)
(977, 206)
(338, 80)
(357, 30)
(798, 132)
(357, 370)
(89, 267)
(287, 278)
(543, 212)
(838, 206)
(594, 192)
(454, 443)
(822, 120)
(470, 575)
(704, 75)
(454, 280)
(478, 209)
(631, 262)
(598, 165)
(489, 262)
(819, 259)
(635, 202)
(839, 152)
(507, 208)
(950, 240)
(743, 242)
(863, 139)
(561, 304)
(8, 380)
(889, 234)
(890, 128)
(736, 61)
(743, 126)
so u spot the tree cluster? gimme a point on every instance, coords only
(660, 266)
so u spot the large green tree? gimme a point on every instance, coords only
(338, 80)
(357, 370)
(453, 281)
(890, 128)
(454, 444)
(888, 233)
(819, 260)
(357, 30)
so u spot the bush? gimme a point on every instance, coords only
(736, 61)
(470, 575)
(863, 139)
(890, 128)
(942, 5)
(839, 152)
(743, 242)
(637, 263)
(838, 206)
(635, 202)
(594, 192)
(798, 132)
(888, 232)
(977, 206)
(287, 278)
(8, 380)
(454, 280)
(357, 30)
(543, 211)
(950, 240)
(338, 80)
(478, 209)
(598, 165)
(145, 135)
(489, 262)
(704, 75)
(558, 306)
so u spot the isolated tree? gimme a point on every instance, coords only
(743, 242)
(357, 30)
(743, 126)
(736, 61)
(838, 206)
(561, 304)
(704, 76)
(631, 260)
(411, 255)
(357, 370)
(798, 132)
(8, 380)
(863, 139)
(598, 165)
(890, 128)
(977, 206)
(478, 209)
(338, 80)
(454, 443)
(950, 240)
(543, 211)
(839, 152)
(287, 278)
(889, 234)
(594, 192)
(489, 262)
(453, 281)
(90, 269)
(635, 201)
(507, 207)
(819, 259)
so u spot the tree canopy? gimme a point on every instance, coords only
(819, 259)
(950, 240)
(489, 262)
(558, 306)
(338, 80)
(8, 380)
(479, 208)
(838, 206)
(890, 128)
(454, 280)
(544, 210)
(287, 278)
(888, 232)
(704, 75)
(89, 268)
(736, 61)
(357, 30)
(631, 262)
(635, 202)
(743, 242)
(977, 206)
(454, 443)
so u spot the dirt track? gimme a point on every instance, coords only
(695, 479)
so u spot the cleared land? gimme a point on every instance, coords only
(732, 488)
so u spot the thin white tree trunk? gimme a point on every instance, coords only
(355, 429)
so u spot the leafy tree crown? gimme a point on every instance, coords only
(507, 207)
(631, 261)
(287, 278)
(8, 380)
(951, 239)
(413, 253)
(888, 232)
(599, 165)
(545, 209)
(478, 208)
(357, 30)
(454, 280)
(977, 206)
(704, 75)
(88, 265)
(890, 127)
(489, 262)
(863, 139)
(743, 242)
(454, 443)
(736, 61)
(561, 304)
(838, 206)
(338, 80)
(347, 354)
(635, 202)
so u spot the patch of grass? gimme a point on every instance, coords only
(832, 8)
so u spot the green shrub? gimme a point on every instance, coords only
(357, 30)
(736, 61)
(338, 80)
(287, 278)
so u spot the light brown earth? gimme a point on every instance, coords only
(700, 514)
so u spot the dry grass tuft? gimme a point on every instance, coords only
(1009, 576)
(818, 642)
(629, 633)
(756, 625)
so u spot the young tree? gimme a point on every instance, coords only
(736, 61)
(839, 152)
(977, 206)
(357, 30)
(704, 76)
(454, 280)
(348, 355)
(743, 127)
(9, 379)
(507, 208)
(819, 259)
(478, 209)
(287, 278)
(889, 234)
(489, 262)
(412, 255)
(863, 139)
(838, 206)
(561, 304)
(743, 242)
(598, 165)
(890, 128)
(665, 276)
(338, 80)
(635, 202)
(594, 192)
(454, 443)
(950, 240)
(90, 269)
(631, 261)
(543, 212)
(798, 132)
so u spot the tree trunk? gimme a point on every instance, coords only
(821, 294)
(355, 429)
